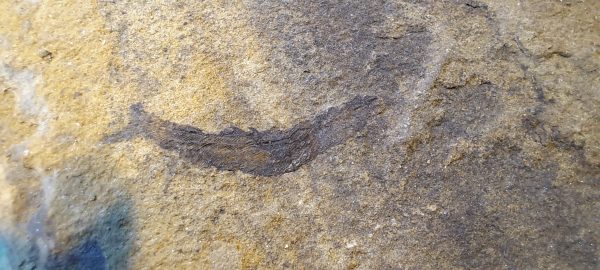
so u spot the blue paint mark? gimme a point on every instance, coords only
(88, 256)
(4, 254)
(16, 253)
(111, 230)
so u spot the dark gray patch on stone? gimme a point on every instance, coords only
(469, 111)
(344, 48)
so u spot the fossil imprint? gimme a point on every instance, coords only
(266, 153)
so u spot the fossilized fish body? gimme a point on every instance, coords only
(266, 153)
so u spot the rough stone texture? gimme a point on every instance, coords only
(484, 153)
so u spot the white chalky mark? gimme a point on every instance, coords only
(24, 83)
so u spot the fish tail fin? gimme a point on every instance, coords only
(137, 126)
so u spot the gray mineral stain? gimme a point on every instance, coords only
(265, 153)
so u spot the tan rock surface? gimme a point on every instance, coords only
(484, 154)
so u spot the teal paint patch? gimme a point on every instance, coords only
(5, 254)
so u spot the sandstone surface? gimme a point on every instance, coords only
(402, 134)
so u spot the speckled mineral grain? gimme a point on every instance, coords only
(402, 134)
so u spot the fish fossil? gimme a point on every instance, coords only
(266, 153)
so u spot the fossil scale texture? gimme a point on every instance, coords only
(267, 153)
(401, 134)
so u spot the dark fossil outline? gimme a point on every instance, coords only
(265, 153)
